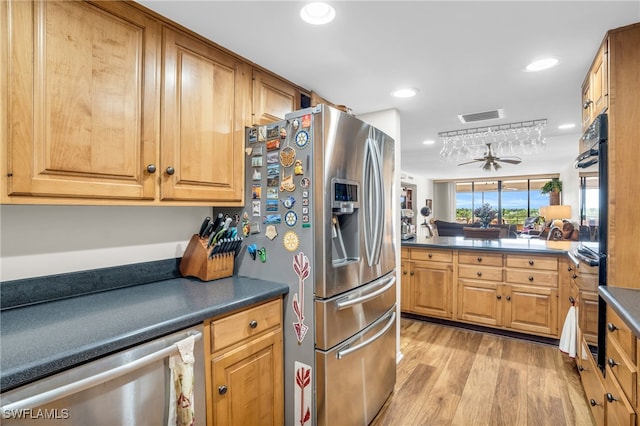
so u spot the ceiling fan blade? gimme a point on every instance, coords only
(472, 161)
(508, 160)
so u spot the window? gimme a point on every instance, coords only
(515, 199)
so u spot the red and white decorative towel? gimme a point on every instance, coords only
(182, 382)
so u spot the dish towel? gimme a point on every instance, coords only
(181, 389)
(568, 338)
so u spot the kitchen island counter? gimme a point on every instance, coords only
(45, 338)
(512, 245)
(626, 303)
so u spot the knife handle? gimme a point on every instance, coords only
(203, 227)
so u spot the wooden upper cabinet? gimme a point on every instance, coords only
(82, 100)
(202, 142)
(595, 89)
(272, 98)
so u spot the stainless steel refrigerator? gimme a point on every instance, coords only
(319, 215)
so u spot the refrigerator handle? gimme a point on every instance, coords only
(346, 303)
(374, 219)
(392, 318)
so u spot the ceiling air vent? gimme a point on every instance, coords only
(481, 116)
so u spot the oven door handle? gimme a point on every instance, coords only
(92, 381)
(343, 353)
(347, 303)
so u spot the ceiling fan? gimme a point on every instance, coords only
(491, 160)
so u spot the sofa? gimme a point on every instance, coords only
(452, 229)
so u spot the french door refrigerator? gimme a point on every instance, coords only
(319, 215)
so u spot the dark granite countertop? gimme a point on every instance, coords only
(44, 338)
(626, 303)
(511, 245)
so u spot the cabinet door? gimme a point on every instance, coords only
(588, 316)
(405, 286)
(531, 309)
(431, 285)
(272, 98)
(587, 103)
(480, 302)
(599, 82)
(83, 100)
(248, 384)
(202, 142)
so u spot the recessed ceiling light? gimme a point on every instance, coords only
(429, 142)
(542, 64)
(317, 13)
(566, 126)
(405, 93)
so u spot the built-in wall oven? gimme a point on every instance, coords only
(594, 142)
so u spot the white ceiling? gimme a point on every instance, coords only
(463, 56)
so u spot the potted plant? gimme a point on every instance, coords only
(553, 188)
(485, 213)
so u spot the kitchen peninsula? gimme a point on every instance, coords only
(516, 285)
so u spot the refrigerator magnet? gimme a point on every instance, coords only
(305, 182)
(291, 218)
(272, 193)
(272, 205)
(272, 145)
(271, 232)
(255, 208)
(262, 133)
(256, 161)
(273, 131)
(287, 184)
(291, 241)
(256, 191)
(302, 138)
(253, 135)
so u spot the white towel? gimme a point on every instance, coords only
(569, 336)
(181, 409)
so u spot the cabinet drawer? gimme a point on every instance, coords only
(404, 253)
(618, 410)
(245, 324)
(587, 282)
(432, 255)
(621, 334)
(592, 384)
(480, 273)
(532, 262)
(622, 368)
(484, 259)
(548, 279)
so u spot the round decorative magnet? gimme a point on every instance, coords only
(291, 218)
(296, 124)
(302, 138)
(305, 182)
(288, 202)
(291, 241)
(271, 232)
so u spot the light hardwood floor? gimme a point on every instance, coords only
(453, 376)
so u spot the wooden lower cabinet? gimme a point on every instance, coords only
(531, 309)
(244, 367)
(592, 382)
(427, 286)
(479, 302)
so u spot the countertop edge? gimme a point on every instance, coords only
(619, 304)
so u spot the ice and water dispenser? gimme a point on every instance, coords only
(345, 206)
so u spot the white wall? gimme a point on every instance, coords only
(389, 122)
(45, 240)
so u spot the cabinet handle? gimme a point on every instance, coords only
(508, 298)
(587, 104)
(610, 398)
(430, 255)
(530, 262)
(572, 300)
(479, 259)
(612, 362)
(479, 273)
(253, 324)
(611, 327)
(499, 297)
(581, 368)
(170, 170)
(593, 402)
(151, 168)
(530, 277)
(222, 389)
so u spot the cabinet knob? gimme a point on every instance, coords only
(587, 104)
(530, 277)
(611, 327)
(569, 269)
(499, 297)
(572, 300)
(610, 398)
(508, 298)
(479, 273)
(612, 362)
(574, 276)
(222, 389)
(253, 324)
(593, 402)
(404, 272)
(151, 168)
(430, 255)
(479, 259)
(531, 262)
(581, 368)
(170, 170)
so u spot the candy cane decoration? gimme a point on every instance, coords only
(302, 269)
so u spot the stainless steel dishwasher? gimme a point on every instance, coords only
(130, 388)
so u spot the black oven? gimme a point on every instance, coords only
(594, 141)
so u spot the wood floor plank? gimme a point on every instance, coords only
(453, 376)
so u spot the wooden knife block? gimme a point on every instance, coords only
(196, 262)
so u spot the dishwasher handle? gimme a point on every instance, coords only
(379, 334)
(89, 382)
